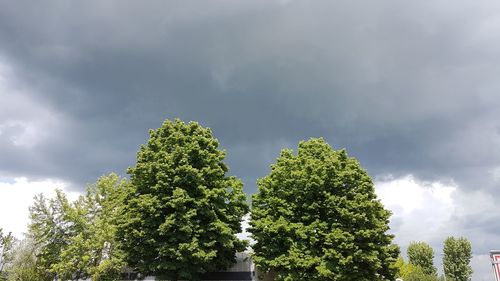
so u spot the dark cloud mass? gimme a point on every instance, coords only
(407, 88)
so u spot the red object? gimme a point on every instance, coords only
(495, 263)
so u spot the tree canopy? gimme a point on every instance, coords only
(183, 210)
(411, 272)
(316, 217)
(6, 247)
(77, 239)
(421, 254)
(51, 228)
(456, 259)
(24, 265)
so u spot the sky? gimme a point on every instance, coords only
(410, 89)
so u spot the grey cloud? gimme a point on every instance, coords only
(393, 83)
(407, 88)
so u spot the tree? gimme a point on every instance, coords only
(51, 229)
(6, 245)
(76, 240)
(419, 275)
(24, 265)
(316, 217)
(456, 259)
(411, 272)
(182, 209)
(93, 251)
(404, 268)
(103, 203)
(421, 254)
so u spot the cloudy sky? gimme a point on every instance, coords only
(411, 89)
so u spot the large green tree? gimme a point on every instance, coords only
(316, 217)
(456, 259)
(183, 212)
(421, 254)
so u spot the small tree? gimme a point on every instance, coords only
(93, 251)
(404, 268)
(422, 255)
(76, 240)
(103, 202)
(419, 275)
(183, 212)
(316, 217)
(411, 272)
(24, 265)
(6, 246)
(51, 229)
(456, 259)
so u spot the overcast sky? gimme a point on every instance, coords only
(411, 89)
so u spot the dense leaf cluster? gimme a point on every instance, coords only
(24, 265)
(76, 240)
(456, 259)
(183, 214)
(6, 247)
(421, 254)
(316, 217)
(412, 272)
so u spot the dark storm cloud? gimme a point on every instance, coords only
(408, 88)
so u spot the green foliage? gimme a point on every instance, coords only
(411, 272)
(103, 203)
(404, 268)
(6, 245)
(51, 230)
(422, 255)
(456, 259)
(316, 217)
(419, 275)
(182, 214)
(24, 266)
(77, 239)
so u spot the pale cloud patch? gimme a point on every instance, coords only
(432, 211)
(27, 134)
(482, 268)
(475, 203)
(421, 210)
(477, 218)
(16, 196)
(245, 235)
